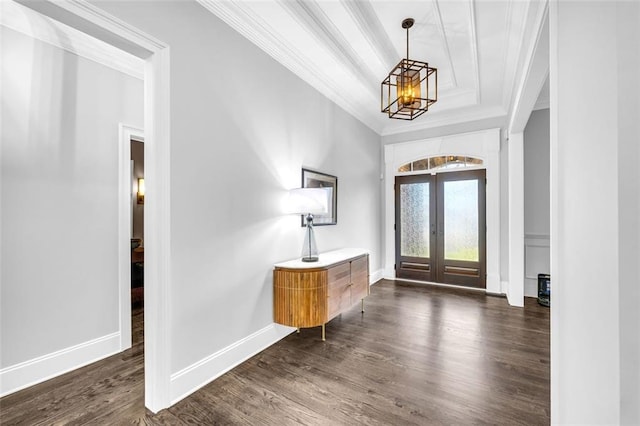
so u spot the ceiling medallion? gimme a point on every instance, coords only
(410, 88)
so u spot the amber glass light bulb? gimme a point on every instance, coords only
(409, 89)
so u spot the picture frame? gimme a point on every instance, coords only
(314, 179)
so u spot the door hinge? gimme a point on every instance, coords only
(394, 266)
(394, 226)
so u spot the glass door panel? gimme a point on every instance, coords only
(461, 220)
(461, 228)
(415, 226)
(414, 219)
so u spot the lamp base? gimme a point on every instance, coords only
(310, 259)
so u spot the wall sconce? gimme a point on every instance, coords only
(141, 191)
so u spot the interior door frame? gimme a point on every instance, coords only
(87, 18)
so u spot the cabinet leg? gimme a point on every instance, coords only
(362, 306)
(323, 338)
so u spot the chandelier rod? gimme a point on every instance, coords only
(407, 43)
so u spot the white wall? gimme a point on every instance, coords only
(242, 127)
(504, 211)
(594, 205)
(536, 200)
(629, 209)
(59, 165)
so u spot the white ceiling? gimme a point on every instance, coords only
(345, 48)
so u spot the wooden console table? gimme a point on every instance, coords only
(310, 294)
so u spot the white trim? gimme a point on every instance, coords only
(474, 50)
(504, 285)
(197, 375)
(442, 119)
(515, 290)
(103, 21)
(376, 276)
(259, 32)
(157, 220)
(84, 16)
(126, 133)
(535, 73)
(541, 104)
(24, 20)
(37, 370)
(483, 144)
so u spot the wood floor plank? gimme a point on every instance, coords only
(419, 355)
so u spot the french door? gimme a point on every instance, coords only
(440, 228)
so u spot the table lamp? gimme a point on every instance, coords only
(309, 201)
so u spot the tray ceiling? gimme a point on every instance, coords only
(345, 49)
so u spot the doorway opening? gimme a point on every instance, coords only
(96, 22)
(441, 227)
(137, 240)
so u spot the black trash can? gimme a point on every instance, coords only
(544, 289)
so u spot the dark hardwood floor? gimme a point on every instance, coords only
(419, 355)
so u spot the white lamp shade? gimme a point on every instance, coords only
(309, 200)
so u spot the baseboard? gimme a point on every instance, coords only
(195, 376)
(504, 287)
(376, 276)
(530, 287)
(37, 370)
(389, 274)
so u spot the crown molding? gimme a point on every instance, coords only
(474, 50)
(542, 104)
(445, 42)
(31, 23)
(310, 39)
(256, 30)
(433, 121)
(310, 16)
(513, 43)
(534, 68)
(366, 19)
(532, 22)
(128, 38)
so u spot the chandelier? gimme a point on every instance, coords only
(410, 88)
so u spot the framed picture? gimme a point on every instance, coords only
(313, 179)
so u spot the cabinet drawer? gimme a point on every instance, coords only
(360, 266)
(339, 276)
(359, 290)
(339, 300)
(359, 279)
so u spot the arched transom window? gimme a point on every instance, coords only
(440, 162)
